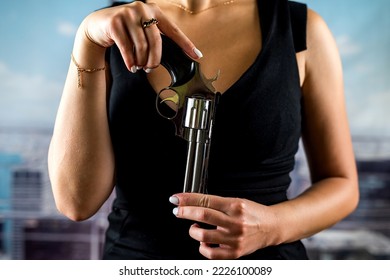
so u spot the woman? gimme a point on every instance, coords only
(281, 81)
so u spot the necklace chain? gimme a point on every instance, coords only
(184, 8)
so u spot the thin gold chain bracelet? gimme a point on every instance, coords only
(80, 70)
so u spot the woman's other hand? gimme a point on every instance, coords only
(241, 226)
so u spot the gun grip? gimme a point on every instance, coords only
(179, 65)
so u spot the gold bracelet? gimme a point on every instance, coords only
(81, 70)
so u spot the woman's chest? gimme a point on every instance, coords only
(229, 43)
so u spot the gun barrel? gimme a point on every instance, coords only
(198, 117)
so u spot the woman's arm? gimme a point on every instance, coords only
(80, 160)
(326, 137)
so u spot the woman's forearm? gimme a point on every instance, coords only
(81, 164)
(322, 205)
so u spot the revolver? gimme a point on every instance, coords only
(190, 102)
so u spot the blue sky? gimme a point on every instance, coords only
(37, 37)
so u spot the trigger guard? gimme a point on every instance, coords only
(158, 98)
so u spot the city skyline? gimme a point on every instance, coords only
(39, 38)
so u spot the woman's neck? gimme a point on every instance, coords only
(196, 6)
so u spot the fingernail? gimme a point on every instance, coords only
(198, 52)
(139, 68)
(148, 70)
(133, 69)
(174, 200)
(175, 211)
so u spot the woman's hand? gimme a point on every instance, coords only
(123, 25)
(241, 226)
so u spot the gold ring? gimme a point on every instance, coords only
(149, 23)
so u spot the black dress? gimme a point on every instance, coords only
(255, 139)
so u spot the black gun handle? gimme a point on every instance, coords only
(179, 65)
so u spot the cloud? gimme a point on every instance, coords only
(347, 46)
(27, 100)
(67, 29)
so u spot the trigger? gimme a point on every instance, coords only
(174, 99)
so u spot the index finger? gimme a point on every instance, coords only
(171, 30)
(222, 204)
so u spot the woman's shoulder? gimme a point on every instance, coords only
(317, 28)
(322, 58)
(320, 39)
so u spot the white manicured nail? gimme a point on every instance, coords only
(175, 211)
(198, 53)
(174, 200)
(133, 69)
